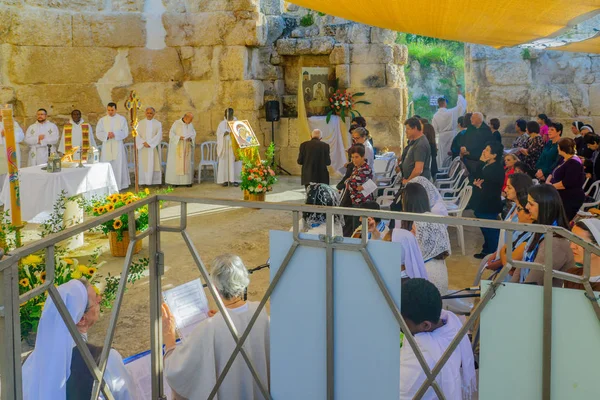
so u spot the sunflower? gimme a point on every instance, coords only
(101, 210)
(95, 210)
(129, 194)
(110, 207)
(91, 271)
(128, 201)
(114, 200)
(117, 224)
(147, 191)
(32, 259)
(43, 276)
(76, 274)
(24, 282)
(83, 269)
(68, 261)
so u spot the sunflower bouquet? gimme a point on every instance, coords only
(120, 224)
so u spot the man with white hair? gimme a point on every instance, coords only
(445, 122)
(147, 143)
(55, 370)
(314, 157)
(476, 138)
(192, 368)
(180, 167)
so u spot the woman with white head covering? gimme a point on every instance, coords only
(320, 194)
(436, 203)
(47, 370)
(411, 258)
(589, 230)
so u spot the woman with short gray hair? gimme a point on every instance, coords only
(193, 367)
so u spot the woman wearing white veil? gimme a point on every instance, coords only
(436, 202)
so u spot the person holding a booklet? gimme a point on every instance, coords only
(192, 368)
(358, 186)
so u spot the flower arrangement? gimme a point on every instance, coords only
(342, 103)
(120, 224)
(258, 176)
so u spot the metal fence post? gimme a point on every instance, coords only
(10, 335)
(156, 269)
(547, 322)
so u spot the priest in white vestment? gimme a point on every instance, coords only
(180, 166)
(111, 131)
(192, 368)
(38, 137)
(433, 329)
(48, 369)
(445, 122)
(77, 133)
(229, 170)
(147, 143)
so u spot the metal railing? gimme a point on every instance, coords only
(10, 352)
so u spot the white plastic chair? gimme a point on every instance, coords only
(457, 209)
(208, 158)
(386, 174)
(129, 149)
(594, 193)
(445, 170)
(456, 187)
(453, 175)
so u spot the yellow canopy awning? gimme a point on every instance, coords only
(498, 23)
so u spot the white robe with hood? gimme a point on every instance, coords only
(113, 150)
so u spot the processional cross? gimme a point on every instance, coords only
(133, 104)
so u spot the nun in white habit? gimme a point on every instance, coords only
(47, 371)
(192, 368)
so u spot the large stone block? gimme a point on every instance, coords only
(386, 131)
(56, 65)
(151, 94)
(200, 6)
(35, 27)
(175, 5)
(595, 99)
(59, 99)
(385, 102)
(155, 65)
(275, 27)
(178, 100)
(290, 106)
(367, 75)
(203, 94)
(7, 95)
(249, 30)
(204, 29)
(286, 47)
(394, 75)
(128, 5)
(260, 66)
(242, 95)
(400, 54)
(340, 54)
(198, 61)
(234, 63)
(359, 34)
(508, 72)
(342, 74)
(68, 5)
(322, 45)
(271, 7)
(274, 89)
(303, 46)
(383, 36)
(371, 54)
(109, 30)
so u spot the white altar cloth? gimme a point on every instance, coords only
(331, 134)
(41, 189)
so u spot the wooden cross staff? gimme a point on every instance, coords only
(133, 104)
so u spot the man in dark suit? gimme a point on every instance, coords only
(314, 158)
(476, 138)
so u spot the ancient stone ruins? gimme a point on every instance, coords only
(204, 56)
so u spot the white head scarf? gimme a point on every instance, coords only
(436, 203)
(411, 258)
(593, 225)
(433, 239)
(320, 194)
(46, 371)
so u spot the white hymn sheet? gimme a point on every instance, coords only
(369, 187)
(139, 367)
(189, 306)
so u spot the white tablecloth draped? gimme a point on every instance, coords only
(331, 134)
(41, 189)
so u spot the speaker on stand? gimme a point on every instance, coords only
(272, 114)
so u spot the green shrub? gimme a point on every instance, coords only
(307, 20)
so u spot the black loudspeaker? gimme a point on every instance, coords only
(272, 110)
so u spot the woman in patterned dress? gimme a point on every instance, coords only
(533, 149)
(354, 185)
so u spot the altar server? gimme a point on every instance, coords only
(229, 170)
(182, 136)
(19, 136)
(39, 136)
(77, 133)
(445, 123)
(54, 370)
(112, 130)
(192, 368)
(147, 143)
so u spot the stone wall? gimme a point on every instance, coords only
(512, 83)
(183, 55)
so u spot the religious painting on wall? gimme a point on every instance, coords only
(318, 85)
(243, 134)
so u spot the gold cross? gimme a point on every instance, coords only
(133, 104)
